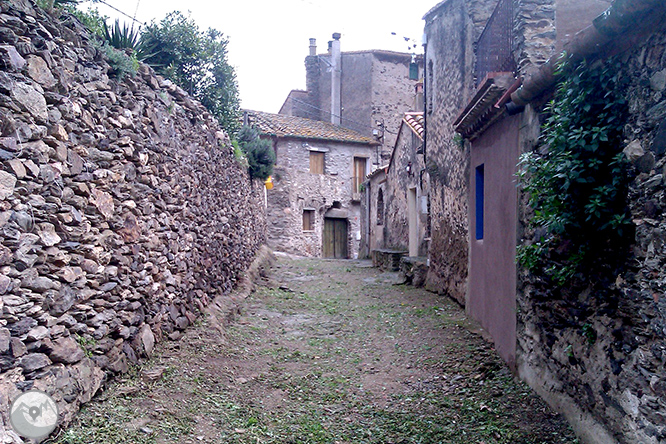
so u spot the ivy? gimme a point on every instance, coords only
(576, 179)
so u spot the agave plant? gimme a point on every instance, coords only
(121, 37)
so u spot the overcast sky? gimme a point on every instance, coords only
(269, 39)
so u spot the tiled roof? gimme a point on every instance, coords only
(416, 123)
(281, 125)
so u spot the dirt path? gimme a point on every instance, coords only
(325, 352)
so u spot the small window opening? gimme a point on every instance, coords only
(380, 207)
(480, 179)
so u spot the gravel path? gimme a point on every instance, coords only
(324, 352)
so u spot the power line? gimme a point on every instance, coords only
(121, 12)
(136, 9)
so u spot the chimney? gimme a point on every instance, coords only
(418, 99)
(313, 47)
(336, 71)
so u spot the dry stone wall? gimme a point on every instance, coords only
(122, 212)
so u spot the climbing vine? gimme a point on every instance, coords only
(576, 179)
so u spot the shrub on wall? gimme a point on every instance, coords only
(259, 153)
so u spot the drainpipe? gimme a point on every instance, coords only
(615, 21)
(336, 60)
(424, 42)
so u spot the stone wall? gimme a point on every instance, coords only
(451, 28)
(601, 353)
(122, 212)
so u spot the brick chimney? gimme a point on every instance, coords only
(336, 70)
(313, 47)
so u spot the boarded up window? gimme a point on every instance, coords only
(359, 174)
(316, 162)
(308, 220)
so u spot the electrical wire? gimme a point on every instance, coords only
(136, 9)
(121, 12)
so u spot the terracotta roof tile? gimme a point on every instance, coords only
(416, 123)
(281, 125)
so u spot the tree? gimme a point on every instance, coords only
(195, 60)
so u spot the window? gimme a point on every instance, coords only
(308, 220)
(413, 71)
(479, 201)
(380, 207)
(359, 173)
(316, 162)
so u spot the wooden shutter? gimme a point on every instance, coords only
(359, 173)
(316, 162)
(308, 220)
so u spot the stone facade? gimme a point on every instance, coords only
(386, 211)
(123, 212)
(451, 28)
(375, 87)
(297, 190)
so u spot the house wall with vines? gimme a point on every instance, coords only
(598, 349)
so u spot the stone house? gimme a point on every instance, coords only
(395, 206)
(314, 206)
(365, 91)
(491, 87)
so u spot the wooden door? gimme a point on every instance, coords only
(335, 238)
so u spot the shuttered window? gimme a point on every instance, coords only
(359, 174)
(308, 220)
(316, 162)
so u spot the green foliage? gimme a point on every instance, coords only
(589, 333)
(53, 5)
(122, 63)
(239, 154)
(576, 180)
(91, 19)
(124, 37)
(195, 60)
(259, 153)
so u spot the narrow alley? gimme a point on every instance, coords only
(324, 352)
